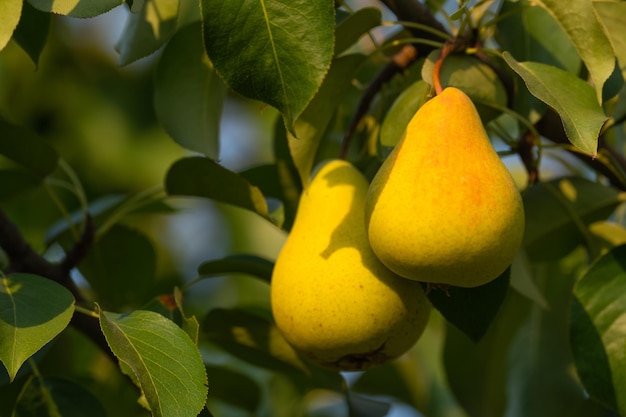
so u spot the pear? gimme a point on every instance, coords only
(331, 298)
(443, 208)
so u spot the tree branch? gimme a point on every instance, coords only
(23, 258)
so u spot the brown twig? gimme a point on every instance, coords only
(525, 151)
(23, 258)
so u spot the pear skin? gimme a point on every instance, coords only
(331, 298)
(443, 208)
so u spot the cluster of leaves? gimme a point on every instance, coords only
(547, 79)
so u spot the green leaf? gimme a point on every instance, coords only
(402, 111)
(188, 95)
(350, 29)
(274, 51)
(15, 182)
(234, 388)
(27, 149)
(256, 340)
(75, 8)
(578, 20)
(313, 122)
(287, 173)
(238, 264)
(147, 30)
(598, 341)
(32, 31)
(571, 97)
(121, 267)
(612, 15)
(33, 310)
(475, 78)
(541, 381)
(10, 12)
(477, 371)
(559, 211)
(471, 310)
(549, 44)
(163, 359)
(56, 397)
(203, 177)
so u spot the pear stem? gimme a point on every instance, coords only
(448, 48)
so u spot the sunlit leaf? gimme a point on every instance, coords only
(27, 149)
(256, 340)
(203, 177)
(241, 264)
(147, 30)
(67, 398)
(572, 98)
(558, 211)
(163, 359)
(280, 56)
(32, 31)
(598, 319)
(33, 310)
(402, 111)
(188, 94)
(612, 15)
(10, 12)
(353, 27)
(471, 310)
(121, 267)
(76, 8)
(318, 114)
(579, 21)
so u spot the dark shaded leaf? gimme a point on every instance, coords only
(240, 264)
(32, 31)
(234, 388)
(188, 94)
(202, 177)
(471, 310)
(350, 29)
(27, 149)
(598, 342)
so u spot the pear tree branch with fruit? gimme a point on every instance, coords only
(313, 207)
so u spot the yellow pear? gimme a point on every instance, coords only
(443, 208)
(332, 299)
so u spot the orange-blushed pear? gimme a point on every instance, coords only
(443, 208)
(332, 299)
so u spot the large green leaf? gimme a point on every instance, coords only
(203, 177)
(27, 149)
(275, 51)
(402, 111)
(121, 267)
(350, 29)
(76, 8)
(147, 29)
(313, 122)
(548, 44)
(33, 310)
(188, 94)
(540, 378)
(255, 339)
(10, 12)
(612, 15)
(56, 397)
(164, 360)
(598, 340)
(32, 31)
(579, 21)
(472, 76)
(471, 310)
(572, 98)
(559, 211)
